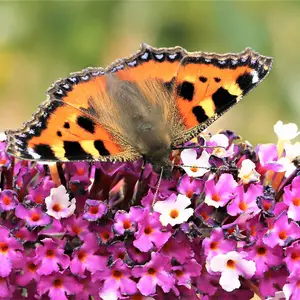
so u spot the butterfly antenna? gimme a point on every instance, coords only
(213, 169)
(158, 184)
(197, 147)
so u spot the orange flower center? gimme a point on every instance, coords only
(76, 229)
(243, 206)
(105, 235)
(50, 253)
(179, 273)
(35, 217)
(261, 251)
(80, 171)
(296, 201)
(126, 224)
(174, 213)
(231, 264)
(295, 256)
(117, 274)
(6, 200)
(58, 283)
(56, 207)
(282, 235)
(93, 210)
(39, 199)
(216, 197)
(148, 230)
(189, 193)
(31, 267)
(81, 255)
(194, 169)
(3, 247)
(151, 271)
(214, 245)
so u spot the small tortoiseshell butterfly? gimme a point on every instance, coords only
(142, 106)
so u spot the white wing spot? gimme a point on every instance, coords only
(172, 56)
(33, 153)
(254, 77)
(85, 78)
(132, 63)
(159, 56)
(145, 55)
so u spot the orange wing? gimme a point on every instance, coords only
(150, 63)
(208, 84)
(66, 127)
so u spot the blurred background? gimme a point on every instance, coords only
(43, 41)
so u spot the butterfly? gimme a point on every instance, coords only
(141, 106)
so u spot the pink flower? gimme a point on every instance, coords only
(8, 200)
(217, 244)
(149, 233)
(116, 281)
(245, 202)
(127, 222)
(84, 257)
(281, 232)
(155, 272)
(291, 198)
(220, 193)
(58, 286)
(34, 216)
(94, 210)
(10, 252)
(292, 258)
(50, 257)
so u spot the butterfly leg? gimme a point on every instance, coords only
(140, 191)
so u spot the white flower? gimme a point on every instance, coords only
(58, 203)
(232, 265)
(247, 172)
(2, 136)
(192, 166)
(174, 210)
(286, 132)
(221, 141)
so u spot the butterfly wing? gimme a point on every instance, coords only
(208, 84)
(66, 126)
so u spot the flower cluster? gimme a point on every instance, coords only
(225, 226)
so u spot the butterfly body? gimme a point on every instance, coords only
(141, 106)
